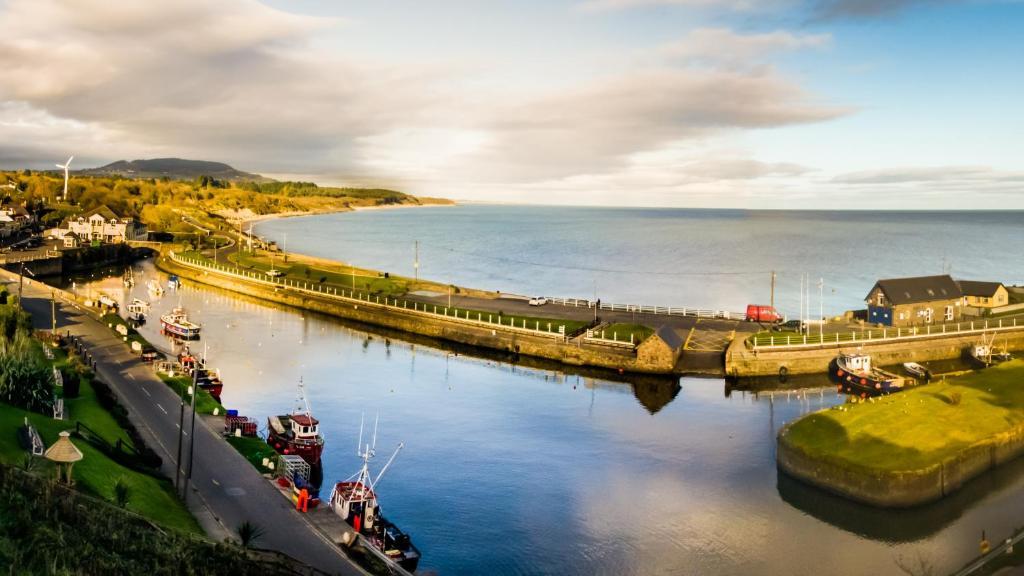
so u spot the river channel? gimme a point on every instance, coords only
(523, 470)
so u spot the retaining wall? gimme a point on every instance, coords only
(741, 361)
(901, 489)
(424, 324)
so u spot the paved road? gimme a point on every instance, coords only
(223, 482)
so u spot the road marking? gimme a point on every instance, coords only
(214, 480)
(129, 376)
(161, 408)
(147, 392)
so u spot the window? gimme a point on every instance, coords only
(949, 313)
(928, 315)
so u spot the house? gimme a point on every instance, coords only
(103, 225)
(915, 301)
(660, 350)
(71, 240)
(984, 295)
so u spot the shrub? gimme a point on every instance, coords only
(955, 398)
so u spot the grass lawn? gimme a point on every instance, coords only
(623, 331)
(133, 336)
(365, 281)
(254, 450)
(916, 428)
(96, 473)
(205, 403)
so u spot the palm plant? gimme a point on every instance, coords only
(248, 533)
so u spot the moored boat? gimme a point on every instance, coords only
(355, 501)
(154, 288)
(173, 282)
(854, 374)
(137, 311)
(176, 323)
(205, 378)
(984, 355)
(297, 433)
(916, 370)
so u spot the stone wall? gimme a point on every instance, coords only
(408, 321)
(741, 361)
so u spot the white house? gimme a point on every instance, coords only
(102, 225)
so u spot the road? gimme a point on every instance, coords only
(225, 489)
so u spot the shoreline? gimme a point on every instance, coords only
(254, 218)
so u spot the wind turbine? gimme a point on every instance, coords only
(65, 166)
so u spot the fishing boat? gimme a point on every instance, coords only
(137, 311)
(854, 374)
(916, 370)
(177, 324)
(206, 378)
(154, 288)
(984, 355)
(173, 282)
(297, 433)
(355, 501)
(129, 278)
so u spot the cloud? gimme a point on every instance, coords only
(934, 175)
(863, 9)
(725, 47)
(733, 5)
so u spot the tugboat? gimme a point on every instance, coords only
(355, 501)
(176, 324)
(297, 433)
(853, 374)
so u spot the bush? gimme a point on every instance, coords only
(955, 398)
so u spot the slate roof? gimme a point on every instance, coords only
(104, 211)
(918, 289)
(978, 288)
(669, 336)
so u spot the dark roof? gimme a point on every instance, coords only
(669, 336)
(978, 288)
(919, 289)
(104, 211)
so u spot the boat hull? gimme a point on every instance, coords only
(282, 444)
(863, 385)
(179, 331)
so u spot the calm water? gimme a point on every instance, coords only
(718, 259)
(510, 470)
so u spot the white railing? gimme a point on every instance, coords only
(642, 309)
(600, 337)
(492, 321)
(885, 335)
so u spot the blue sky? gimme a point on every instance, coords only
(707, 103)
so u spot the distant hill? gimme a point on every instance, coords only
(174, 168)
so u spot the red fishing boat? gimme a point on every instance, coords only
(297, 433)
(206, 378)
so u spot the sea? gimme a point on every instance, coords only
(536, 469)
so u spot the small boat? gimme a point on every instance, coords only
(129, 278)
(204, 377)
(297, 433)
(154, 288)
(355, 501)
(916, 370)
(137, 311)
(854, 374)
(173, 282)
(985, 354)
(176, 323)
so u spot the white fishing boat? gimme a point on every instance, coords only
(155, 289)
(176, 323)
(137, 311)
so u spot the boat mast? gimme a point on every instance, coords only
(301, 403)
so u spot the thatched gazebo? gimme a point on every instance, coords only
(64, 454)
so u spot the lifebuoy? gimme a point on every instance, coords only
(783, 371)
(878, 385)
(863, 381)
(839, 373)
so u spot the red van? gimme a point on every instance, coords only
(759, 313)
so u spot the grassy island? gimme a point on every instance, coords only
(912, 447)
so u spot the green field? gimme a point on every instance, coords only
(339, 278)
(622, 332)
(95, 474)
(916, 428)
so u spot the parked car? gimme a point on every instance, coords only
(538, 301)
(273, 273)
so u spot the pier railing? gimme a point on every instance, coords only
(642, 309)
(883, 335)
(552, 329)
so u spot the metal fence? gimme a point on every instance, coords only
(642, 309)
(492, 321)
(873, 336)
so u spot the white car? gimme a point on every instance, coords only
(538, 301)
(274, 273)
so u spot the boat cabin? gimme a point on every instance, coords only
(857, 363)
(304, 426)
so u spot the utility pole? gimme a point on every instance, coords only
(416, 262)
(821, 307)
(285, 247)
(192, 433)
(802, 303)
(449, 295)
(53, 312)
(181, 428)
(771, 302)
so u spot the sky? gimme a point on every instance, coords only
(859, 104)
